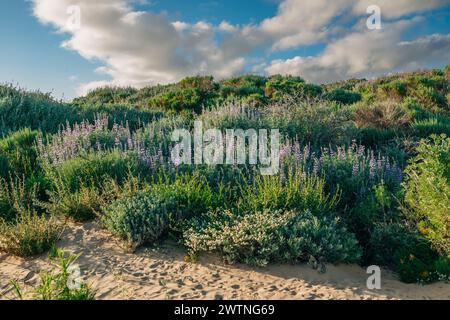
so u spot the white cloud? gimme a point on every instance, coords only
(227, 27)
(363, 54)
(143, 48)
(301, 22)
(306, 22)
(138, 48)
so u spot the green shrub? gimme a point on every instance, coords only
(298, 191)
(29, 234)
(393, 89)
(428, 192)
(205, 85)
(15, 197)
(18, 155)
(140, 219)
(80, 206)
(278, 86)
(8, 209)
(107, 95)
(430, 98)
(177, 101)
(94, 170)
(244, 86)
(191, 193)
(324, 239)
(35, 110)
(343, 96)
(264, 237)
(191, 94)
(375, 218)
(310, 90)
(419, 263)
(435, 124)
(386, 241)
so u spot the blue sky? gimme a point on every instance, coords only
(32, 56)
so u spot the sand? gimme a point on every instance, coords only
(161, 273)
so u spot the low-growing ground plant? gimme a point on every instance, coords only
(260, 238)
(80, 206)
(29, 235)
(57, 284)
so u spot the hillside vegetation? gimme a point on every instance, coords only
(365, 170)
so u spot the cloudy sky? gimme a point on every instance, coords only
(71, 46)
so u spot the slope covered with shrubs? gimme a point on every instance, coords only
(364, 170)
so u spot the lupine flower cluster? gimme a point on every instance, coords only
(85, 138)
(353, 165)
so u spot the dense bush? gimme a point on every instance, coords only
(29, 234)
(378, 209)
(263, 237)
(243, 86)
(192, 195)
(18, 155)
(343, 96)
(177, 101)
(38, 111)
(354, 170)
(8, 209)
(140, 219)
(191, 94)
(396, 89)
(278, 87)
(79, 206)
(386, 241)
(107, 95)
(433, 125)
(93, 170)
(20, 109)
(417, 262)
(428, 192)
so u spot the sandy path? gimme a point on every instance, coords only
(162, 274)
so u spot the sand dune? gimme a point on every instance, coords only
(162, 274)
